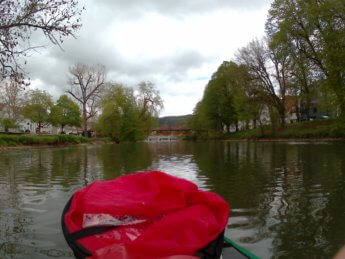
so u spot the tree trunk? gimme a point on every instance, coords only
(228, 128)
(307, 108)
(84, 120)
(39, 127)
(298, 111)
(261, 128)
(273, 120)
(236, 124)
(62, 126)
(282, 116)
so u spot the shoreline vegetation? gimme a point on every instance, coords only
(14, 140)
(309, 131)
(325, 130)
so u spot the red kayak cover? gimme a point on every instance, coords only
(145, 215)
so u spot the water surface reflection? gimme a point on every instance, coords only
(287, 199)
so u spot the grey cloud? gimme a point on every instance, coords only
(92, 45)
(173, 67)
(52, 66)
(177, 7)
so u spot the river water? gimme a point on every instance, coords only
(287, 199)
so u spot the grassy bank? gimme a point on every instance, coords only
(319, 129)
(18, 140)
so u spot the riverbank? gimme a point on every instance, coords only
(329, 130)
(39, 140)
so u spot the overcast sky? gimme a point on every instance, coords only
(176, 44)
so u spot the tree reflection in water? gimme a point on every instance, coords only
(287, 199)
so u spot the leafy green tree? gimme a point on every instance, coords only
(150, 104)
(8, 123)
(120, 118)
(65, 112)
(245, 96)
(228, 97)
(148, 99)
(215, 112)
(37, 107)
(199, 121)
(317, 29)
(126, 115)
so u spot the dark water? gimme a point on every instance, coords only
(287, 199)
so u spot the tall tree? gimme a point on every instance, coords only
(8, 124)
(246, 97)
(65, 112)
(268, 65)
(199, 122)
(37, 107)
(149, 103)
(149, 99)
(86, 84)
(216, 110)
(12, 94)
(56, 19)
(120, 118)
(317, 29)
(127, 115)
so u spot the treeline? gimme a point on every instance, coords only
(300, 60)
(91, 102)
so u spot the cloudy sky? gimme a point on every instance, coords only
(176, 44)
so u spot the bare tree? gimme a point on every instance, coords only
(12, 94)
(86, 83)
(268, 66)
(18, 19)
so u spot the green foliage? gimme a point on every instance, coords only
(299, 64)
(149, 100)
(8, 124)
(215, 111)
(37, 107)
(318, 129)
(14, 140)
(316, 30)
(126, 117)
(65, 112)
(229, 96)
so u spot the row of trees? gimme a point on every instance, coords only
(302, 57)
(38, 106)
(124, 114)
